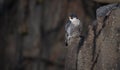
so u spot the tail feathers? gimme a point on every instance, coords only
(66, 43)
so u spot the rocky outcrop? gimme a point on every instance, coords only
(108, 43)
(71, 57)
(101, 48)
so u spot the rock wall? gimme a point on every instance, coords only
(101, 48)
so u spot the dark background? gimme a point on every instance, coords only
(32, 31)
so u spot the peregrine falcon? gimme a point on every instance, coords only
(73, 28)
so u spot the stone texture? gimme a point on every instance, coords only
(108, 44)
(101, 48)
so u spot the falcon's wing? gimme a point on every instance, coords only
(67, 32)
(67, 25)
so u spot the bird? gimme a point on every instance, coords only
(73, 28)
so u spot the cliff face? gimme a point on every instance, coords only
(32, 35)
(108, 43)
(101, 48)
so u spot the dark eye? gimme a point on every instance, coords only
(71, 17)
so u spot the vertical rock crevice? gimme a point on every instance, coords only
(100, 49)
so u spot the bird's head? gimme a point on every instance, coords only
(73, 17)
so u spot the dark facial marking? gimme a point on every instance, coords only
(73, 15)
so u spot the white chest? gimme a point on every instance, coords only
(75, 21)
